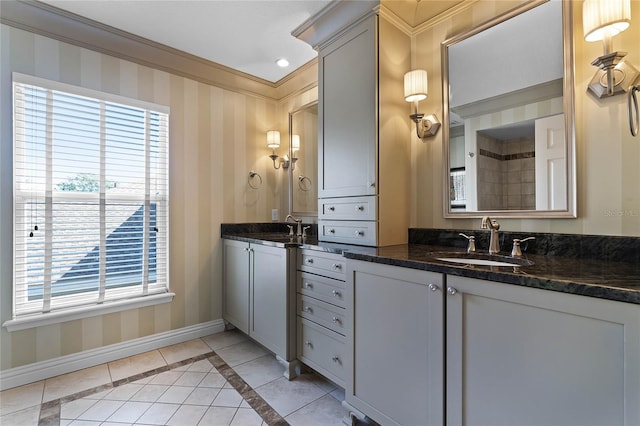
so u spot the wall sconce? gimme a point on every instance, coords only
(295, 147)
(273, 142)
(602, 20)
(415, 90)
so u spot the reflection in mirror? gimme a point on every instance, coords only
(303, 175)
(508, 133)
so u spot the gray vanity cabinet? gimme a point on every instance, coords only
(525, 356)
(256, 295)
(395, 344)
(363, 135)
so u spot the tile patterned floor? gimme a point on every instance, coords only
(222, 379)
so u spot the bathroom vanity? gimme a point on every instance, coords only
(417, 340)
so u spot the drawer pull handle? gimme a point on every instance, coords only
(433, 287)
(308, 285)
(359, 233)
(337, 266)
(308, 343)
(309, 261)
(331, 231)
(451, 290)
(336, 293)
(335, 358)
(335, 320)
(308, 309)
(331, 208)
(360, 208)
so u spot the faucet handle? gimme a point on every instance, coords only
(515, 251)
(291, 234)
(304, 231)
(471, 248)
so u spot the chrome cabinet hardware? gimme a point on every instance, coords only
(335, 320)
(433, 287)
(331, 231)
(309, 260)
(308, 285)
(336, 266)
(331, 208)
(336, 293)
(308, 309)
(359, 233)
(335, 358)
(451, 290)
(360, 208)
(308, 343)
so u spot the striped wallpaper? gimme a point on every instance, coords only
(216, 137)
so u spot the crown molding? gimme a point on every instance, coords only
(49, 21)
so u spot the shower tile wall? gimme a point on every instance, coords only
(506, 173)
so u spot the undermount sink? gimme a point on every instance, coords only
(481, 259)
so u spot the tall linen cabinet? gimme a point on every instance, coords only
(364, 129)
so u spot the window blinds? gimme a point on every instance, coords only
(90, 197)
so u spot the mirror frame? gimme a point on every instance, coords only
(569, 115)
(290, 170)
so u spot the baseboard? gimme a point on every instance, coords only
(42, 370)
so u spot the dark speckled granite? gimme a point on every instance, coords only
(597, 266)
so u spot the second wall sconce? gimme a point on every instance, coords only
(602, 20)
(273, 142)
(415, 90)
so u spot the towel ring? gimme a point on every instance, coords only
(253, 174)
(301, 184)
(633, 104)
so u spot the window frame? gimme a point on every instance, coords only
(94, 307)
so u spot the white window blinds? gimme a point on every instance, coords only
(90, 197)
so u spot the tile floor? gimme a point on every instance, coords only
(222, 379)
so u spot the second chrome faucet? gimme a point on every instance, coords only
(493, 226)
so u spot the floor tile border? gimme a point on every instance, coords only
(50, 410)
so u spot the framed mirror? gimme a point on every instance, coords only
(508, 127)
(303, 174)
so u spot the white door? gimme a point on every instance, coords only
(551, 163)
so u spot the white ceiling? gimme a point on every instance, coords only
(246, 35)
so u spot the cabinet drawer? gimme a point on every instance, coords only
(325, 289)
(322, 263)
(322, 349)
(348, 208)
(330, 316)
(349, 232)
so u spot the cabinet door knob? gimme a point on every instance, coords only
(359, 208)
(336, 266)
(308, 285)
(372, 184)
(451, 290)
(359, 233)
(433, 287)
(335, 358)
(331, 208)
(331, 231)
(308, 343)
(308, 309)
(335, 320)
(309, 260)
(336, 293)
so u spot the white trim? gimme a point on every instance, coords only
(86, 311)
(42, 370)
(89, 93)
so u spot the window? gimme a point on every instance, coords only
(90, 198)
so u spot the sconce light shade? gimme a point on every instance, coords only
(273, 139)
(605, 18)
(415, 86)
(295, 142)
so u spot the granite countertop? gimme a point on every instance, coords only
(604, 279)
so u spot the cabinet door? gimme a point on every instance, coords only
(395, 362)
(347, 113)
(235, 307)
(269, 298)
(524, 356)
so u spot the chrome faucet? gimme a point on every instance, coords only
(493, 226)
(298, 222)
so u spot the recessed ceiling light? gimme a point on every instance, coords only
(282, 62)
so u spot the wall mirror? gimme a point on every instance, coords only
(508, 127)
(303, 174)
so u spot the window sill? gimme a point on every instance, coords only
(40, 320)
